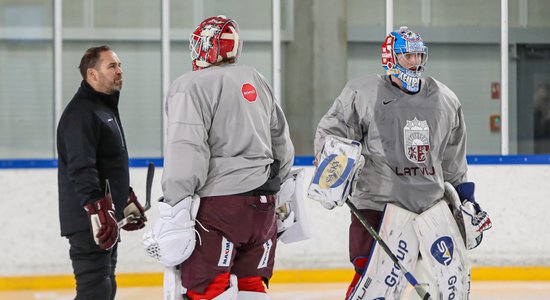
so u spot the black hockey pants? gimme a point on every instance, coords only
(93, 268)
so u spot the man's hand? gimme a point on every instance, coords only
(103, 222)
(135, 212)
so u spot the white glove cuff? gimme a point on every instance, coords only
(190, 203)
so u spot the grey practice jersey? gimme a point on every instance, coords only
(411, 143)
(224, 130)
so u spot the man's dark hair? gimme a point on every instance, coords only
(90, 59)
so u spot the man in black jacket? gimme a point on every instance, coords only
(93, 175)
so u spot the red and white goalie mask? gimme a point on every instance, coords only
(215, 39)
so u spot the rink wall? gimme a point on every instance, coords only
(515, 190)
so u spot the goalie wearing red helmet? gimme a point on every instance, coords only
(215, 40)
(228, 149)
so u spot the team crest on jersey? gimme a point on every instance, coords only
(416, 135)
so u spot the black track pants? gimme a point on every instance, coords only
(93, 268)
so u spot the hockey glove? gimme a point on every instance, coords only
(134, 212)
(101, 214)
(172, 239)
(472, 220)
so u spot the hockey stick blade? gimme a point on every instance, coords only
(424, 295)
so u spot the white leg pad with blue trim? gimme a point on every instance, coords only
(382, 279)
(443, 251)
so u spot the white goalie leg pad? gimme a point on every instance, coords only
(173, 290)
(252, 296)
(231, 292)
(443, 252)
(424, 275)
(334, 177)
(383, 279)
(292, 220)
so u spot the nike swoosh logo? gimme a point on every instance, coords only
(388, 101)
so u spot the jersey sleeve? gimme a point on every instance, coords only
(282, 147)
(340, 120)
(281, 144)
(454, 157)
(186, 151)
(79, 136)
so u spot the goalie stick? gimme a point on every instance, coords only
(424, 295)
(148, 184)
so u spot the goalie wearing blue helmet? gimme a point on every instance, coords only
(413, 139)
(404, 57)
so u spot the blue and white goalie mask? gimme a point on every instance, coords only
(404, 57)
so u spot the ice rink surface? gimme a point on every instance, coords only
(483, 290)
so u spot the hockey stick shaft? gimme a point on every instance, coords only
(148, 185)
(424, 295)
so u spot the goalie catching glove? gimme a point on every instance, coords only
(172, 239)
(340, 164)
(471, 219)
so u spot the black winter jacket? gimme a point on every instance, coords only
(91, 149)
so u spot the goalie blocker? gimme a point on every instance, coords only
(292, 222)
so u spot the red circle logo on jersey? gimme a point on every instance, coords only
(249, 92)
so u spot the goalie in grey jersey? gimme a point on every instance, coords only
(413, 140)
(227, 150)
